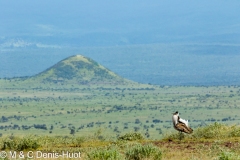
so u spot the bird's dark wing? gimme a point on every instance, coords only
(183, 128)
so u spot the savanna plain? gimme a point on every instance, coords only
(131, 121)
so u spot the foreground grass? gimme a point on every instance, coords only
(214, 141)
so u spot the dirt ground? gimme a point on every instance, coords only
(189, 150)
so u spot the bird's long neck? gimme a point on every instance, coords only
(175, 119)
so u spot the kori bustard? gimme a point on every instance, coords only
(181, 124)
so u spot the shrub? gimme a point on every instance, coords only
(131, 136)
(106, 154)
(235, 131)
(228, 156)
(20, 144)
(28, 143)
(53, 141)
(215, 130)
(139, 152)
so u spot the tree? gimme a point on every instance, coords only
(72, 131)
(137, 121)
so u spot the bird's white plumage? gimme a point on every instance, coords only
(184, 121)
(175, 119)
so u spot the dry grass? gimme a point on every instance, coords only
(213, 142)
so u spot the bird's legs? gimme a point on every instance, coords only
(181, 135)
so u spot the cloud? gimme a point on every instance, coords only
(45, 27)
(15, 43)
(20, 43)
(40, 45)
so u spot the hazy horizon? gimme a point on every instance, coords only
(175, 36)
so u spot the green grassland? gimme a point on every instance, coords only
(78, 105)
(58, 110)
(91, 120)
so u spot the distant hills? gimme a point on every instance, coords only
(78, 69)
(159, 64)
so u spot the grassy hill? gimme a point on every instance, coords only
(80, 70)
(74, 71)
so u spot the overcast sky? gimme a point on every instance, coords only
(108, 22)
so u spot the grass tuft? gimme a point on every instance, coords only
(131, 137)
(19, 144)
(106, 154)
(138, 152)
(228, 156)
(212, 131)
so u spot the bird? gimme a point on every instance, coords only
(181, 124)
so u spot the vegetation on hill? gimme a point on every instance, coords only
(78, 70)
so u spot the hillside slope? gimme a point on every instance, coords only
(81, 70)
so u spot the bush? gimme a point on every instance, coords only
(217, 130)
(106, 154)
(139, 152)
(228, 156)
(131, 137)
(235, 131)
(20, 144)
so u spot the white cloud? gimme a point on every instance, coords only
(16, 43)
(45, 27)
(40, 45)
(20, 43)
